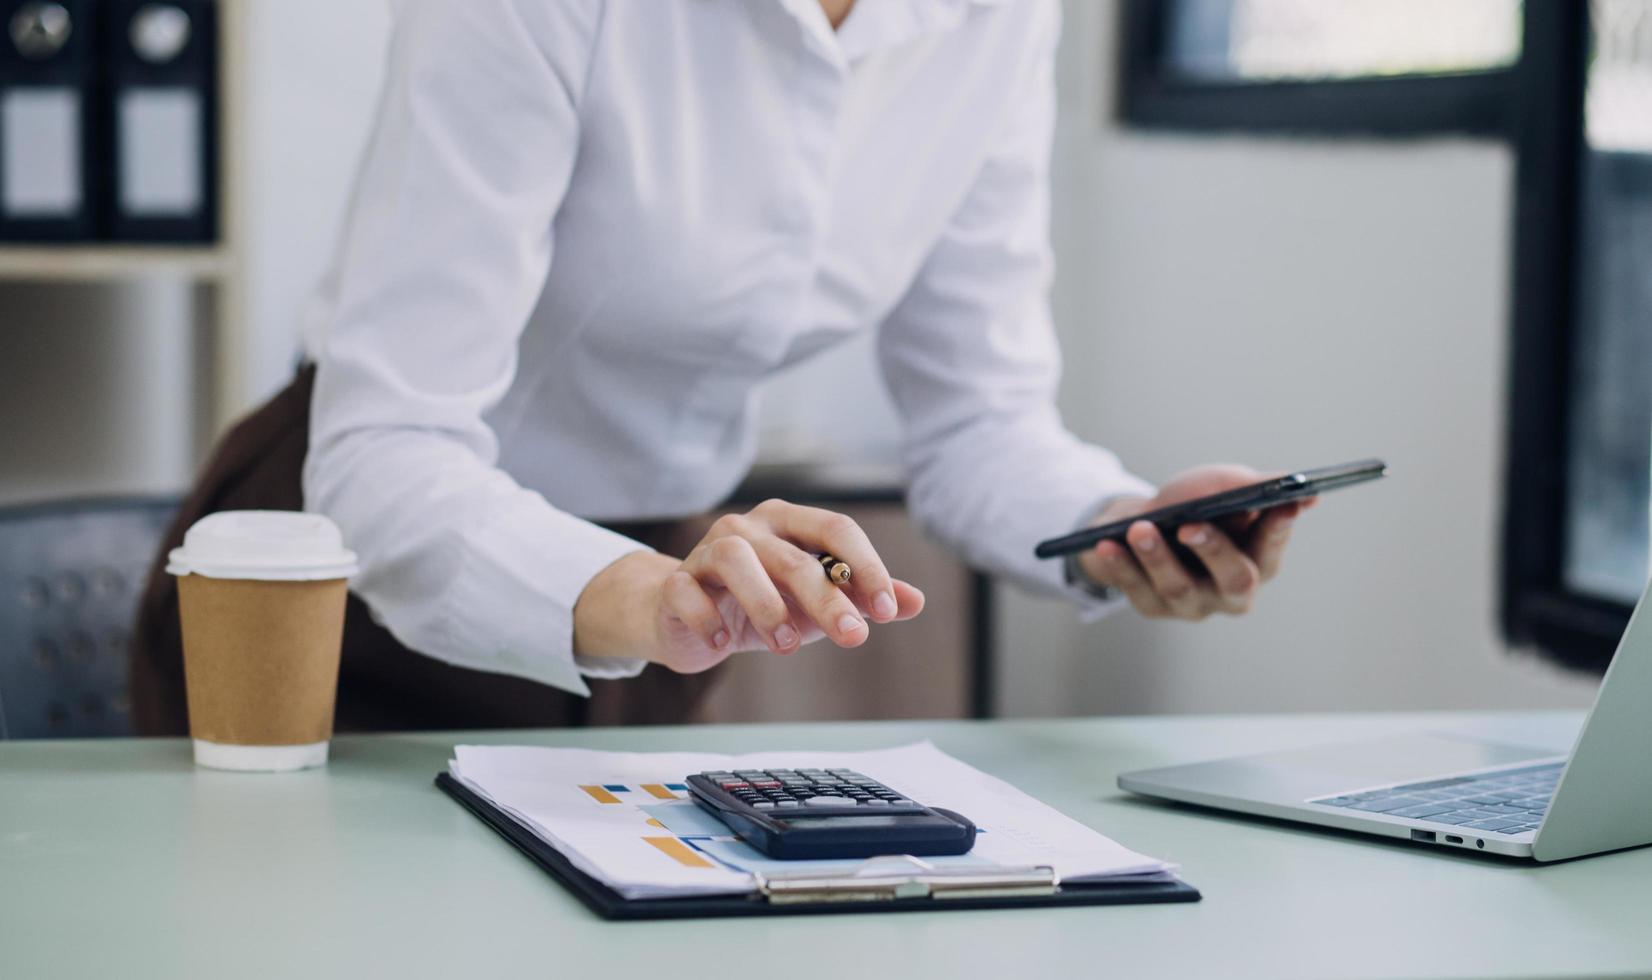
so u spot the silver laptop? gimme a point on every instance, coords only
(1459, 792)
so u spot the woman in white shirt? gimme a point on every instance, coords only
(586, 229)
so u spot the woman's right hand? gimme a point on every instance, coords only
(752, 583)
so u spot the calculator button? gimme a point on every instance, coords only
(765, 784)
(877, 802)
(901, 802)
(762, 806)
(735, 787)
(828, 801)
(787, 803)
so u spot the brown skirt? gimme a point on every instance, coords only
(382, 685)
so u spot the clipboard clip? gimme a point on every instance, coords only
(902, 877)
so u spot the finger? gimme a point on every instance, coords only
(686, 600)
(1231, 570)
(816, 529)
(1269, 539)
(1173, 583)
(909, 600)
(798, 575)
(732, 563)
(1119, 570)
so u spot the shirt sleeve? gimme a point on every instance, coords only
(415, 337)
(971, 361)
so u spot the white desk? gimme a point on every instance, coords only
(118, 858)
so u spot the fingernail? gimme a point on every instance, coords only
(1148, 544)
(1197, 537)
(884, 605)
(785, 637)
(847, 623)
(720, 639)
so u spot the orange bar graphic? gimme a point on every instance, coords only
(655, 823)
(600, 795)
(659, 792)
(679, 852)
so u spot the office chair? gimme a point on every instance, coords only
(70, 577)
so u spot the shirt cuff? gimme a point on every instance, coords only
(610, 668)
(513, 603)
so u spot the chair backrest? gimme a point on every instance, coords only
(70, 578)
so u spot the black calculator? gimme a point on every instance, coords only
(827, 813)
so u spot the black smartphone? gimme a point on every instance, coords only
(1256, 496)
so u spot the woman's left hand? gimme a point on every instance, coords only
(1235, 555)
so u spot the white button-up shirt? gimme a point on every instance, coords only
(586, 229)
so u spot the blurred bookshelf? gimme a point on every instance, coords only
(215, 270)
(99, 263)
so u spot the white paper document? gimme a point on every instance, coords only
(626, 818)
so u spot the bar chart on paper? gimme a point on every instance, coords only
(676, 848)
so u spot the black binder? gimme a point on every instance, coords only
(161, 120)
(48, 121)
(609, 904)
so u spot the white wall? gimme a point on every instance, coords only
(1287, 303)
(313, 70)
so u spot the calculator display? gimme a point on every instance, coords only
(805, 823)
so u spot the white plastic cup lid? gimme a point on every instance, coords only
(263, 544)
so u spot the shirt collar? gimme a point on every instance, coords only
(876, 25)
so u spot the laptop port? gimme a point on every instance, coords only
(1424, 835)
(1453, 839)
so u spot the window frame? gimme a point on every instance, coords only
(1475, 103)
(1537, 609)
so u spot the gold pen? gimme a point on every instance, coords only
(837, 571)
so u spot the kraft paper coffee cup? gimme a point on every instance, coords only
(261, 595)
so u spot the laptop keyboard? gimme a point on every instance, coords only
(1510, 801)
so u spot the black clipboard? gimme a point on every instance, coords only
(609, 904)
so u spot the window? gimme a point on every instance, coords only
(1570, 85)
(1610, 465)
(1321, 66)
(1581, 439)
(1301, 40)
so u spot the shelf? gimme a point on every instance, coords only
(92, 263)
